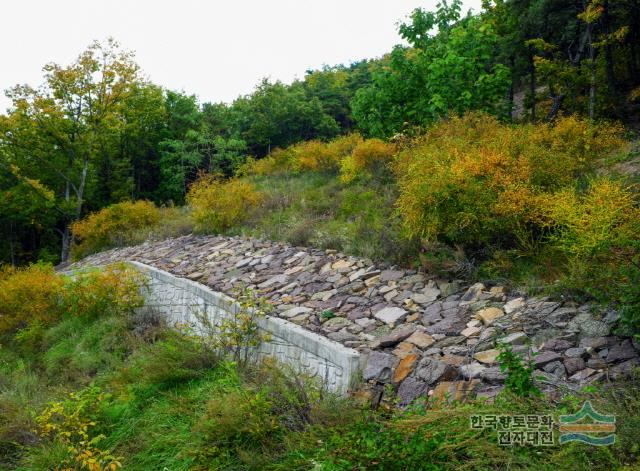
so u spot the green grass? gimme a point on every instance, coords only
(315, 209)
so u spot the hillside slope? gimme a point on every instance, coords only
(417, 330)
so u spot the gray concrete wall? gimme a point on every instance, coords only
(182, 301)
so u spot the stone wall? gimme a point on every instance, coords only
(182, 301)
(416, 332)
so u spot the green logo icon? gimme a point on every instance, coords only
(588, 426)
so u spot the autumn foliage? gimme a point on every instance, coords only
(71, 423)
(472, 179)
(36, 296)
(350, 155)
(28, 295)
(217, 204)
(113, 226)
(529, 189)
(598, 231)
(368, 158)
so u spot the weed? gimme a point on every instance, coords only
(519, 372)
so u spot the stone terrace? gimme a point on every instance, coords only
(421, 334)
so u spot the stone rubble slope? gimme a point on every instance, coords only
(420, 334)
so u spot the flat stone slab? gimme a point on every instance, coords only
(391, 315)
(488, 356)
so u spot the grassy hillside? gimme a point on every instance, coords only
(315, 209)
(94, 386)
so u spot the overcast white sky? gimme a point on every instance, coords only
(216, 49)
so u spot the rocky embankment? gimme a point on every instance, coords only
(420, 334)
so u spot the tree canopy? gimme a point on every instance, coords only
(95, 132)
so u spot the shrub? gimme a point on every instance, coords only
(238, 420)
(519, 372)
(528, 190)
(236, 335)
(602, 219)
(371, 442)
(315, 156)
(343, 146)
(368, 158)
(36, 296)
(71, 423)
(307, 156)
(29, 296)
(250, 423)
(277, 162)
(473, 180)
(217, 205)
(325, 157)
(110, 290)
(598, 231)
(112, 226)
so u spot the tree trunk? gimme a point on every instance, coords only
(66, 244)
(557, 104)
(11, 245)
(532, 89)
(79, 191)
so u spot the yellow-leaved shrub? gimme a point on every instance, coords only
(314, 156)
(307, 156)
(72, 423)
(219, 204)
(319, 156)
(598, 231)
(113, 226)
(38, 296)
(29, 295)
(368, 157)
(472, 179)
(113, 289)
(277, 162)
(604, 216)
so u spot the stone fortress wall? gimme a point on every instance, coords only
(417, 333)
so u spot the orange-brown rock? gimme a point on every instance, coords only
(406, 366)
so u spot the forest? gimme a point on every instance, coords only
(95, 132)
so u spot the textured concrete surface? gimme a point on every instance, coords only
(183, 301)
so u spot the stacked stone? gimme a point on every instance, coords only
(421, 334)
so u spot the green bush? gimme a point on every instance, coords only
(174, 359)
(519, 372)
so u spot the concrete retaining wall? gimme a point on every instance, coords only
(180, 299)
